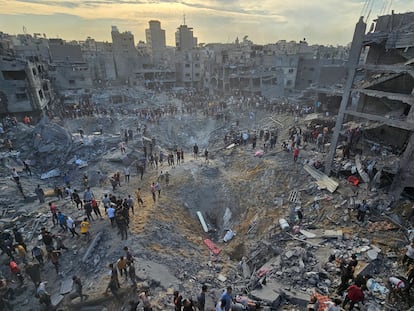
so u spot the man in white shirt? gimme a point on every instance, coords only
(111, 214)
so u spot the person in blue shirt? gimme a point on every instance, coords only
(227, 296)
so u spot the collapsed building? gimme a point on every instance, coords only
(378, 97)
(25, 87)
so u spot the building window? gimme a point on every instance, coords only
(45, 87)
(187, 75)
(71, 82)
(21, 96)
(34, 71)
(310, 81)
(187, 65)
(41, 94)
(289, 82)
(197, 75)
(14, 75)
(291, 70)
(311, 69)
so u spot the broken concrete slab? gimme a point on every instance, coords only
(316, 234)
(50, 174)
(360, 169)
(269, 293)
(56, 299)
(156, 273)
(66, 286)
(269, 266)
(372, 254)
(323, 181)
(308, 234)
(221, 278)
(91, 247)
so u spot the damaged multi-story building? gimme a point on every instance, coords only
(25, 87)
(378, 98)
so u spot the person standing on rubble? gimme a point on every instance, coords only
(131, 274)
(201, 298)
(87, 206)
(347, 273)
(15, 176)
(70, 224)
(95, 208)
(167, 178)
(153, 189)
(362, 211)
(77, 200)
(85, 181)
(33, 271)
(27, 167)
(77, 290)
(127, 174)
(195, 151)
(122, 223)
(145, 300)
(130, 203)
(84, 228)
(178, 301)
(353, 296)
(16, 271)
(221, 305)
(114, 274)
(227, 297)
(44, 296)
(139, 197)
(408, 258)
(53, 211)
(158, 188)
(295, 154)
(37, 253)
(18, 237)
(40, 194)
(121, 264)
(113, 287)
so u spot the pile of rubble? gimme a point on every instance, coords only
(231, 220)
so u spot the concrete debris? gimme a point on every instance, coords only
(229, 235)
(322, 180)
(202, 221)
(221, 278)
(51, 174)
(361, 171)
(91, 247)
(292, 234)
(66, 286)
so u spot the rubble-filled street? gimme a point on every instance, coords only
(242, 212)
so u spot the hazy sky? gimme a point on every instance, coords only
(264, 21)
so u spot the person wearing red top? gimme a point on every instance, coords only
(15, 270)
(354, 295)
(295, 154)
(53, 210)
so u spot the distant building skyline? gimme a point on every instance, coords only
(328, 22)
